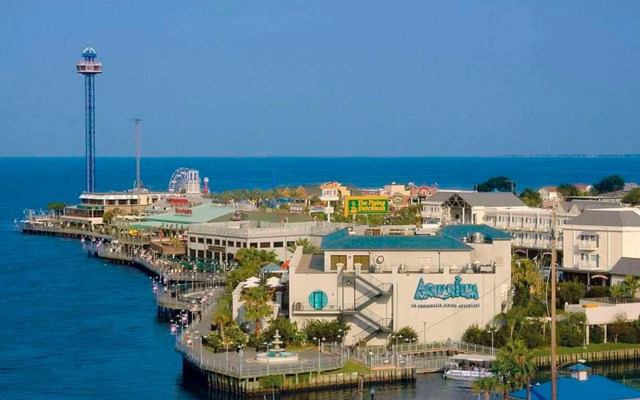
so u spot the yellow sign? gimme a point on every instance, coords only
(355, 205)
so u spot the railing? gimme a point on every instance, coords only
(66, 231)
(421, 269)
(304, 306)
(245, 369)
(587, 245)
(382, 322)
(586, 265)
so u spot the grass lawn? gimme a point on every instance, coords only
(348, 368)
(545, 351)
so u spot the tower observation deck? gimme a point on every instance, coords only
(89, 67)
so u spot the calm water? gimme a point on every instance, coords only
(77, 328)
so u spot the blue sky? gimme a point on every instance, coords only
(324, 78)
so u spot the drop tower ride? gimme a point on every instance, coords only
(89, 67)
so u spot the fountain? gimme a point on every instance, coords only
(277, 353)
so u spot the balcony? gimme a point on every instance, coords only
(587, 245)
(303, 307)
(586, 265)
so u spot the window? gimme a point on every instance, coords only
(200, 240)
(239, 244)
(192, 239)
(318, 299)
(192, 253)
(209, 241)
(278, 244)
(224, 242)
(200, 253)
(364, 260)
(335, 260)
(265, 245)
(291, 244)
(253, 245)
(216, 242)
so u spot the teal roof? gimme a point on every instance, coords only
(341, 240)
(596, 387)
(199, 215)
(463, 231)
(579, 367)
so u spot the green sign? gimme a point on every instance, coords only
(356, 205)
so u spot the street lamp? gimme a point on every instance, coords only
(409, 340)
(320, 340)
(341, 345)
(267, 355)
(396, 336)
(492, 330)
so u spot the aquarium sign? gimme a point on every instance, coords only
(446, 291)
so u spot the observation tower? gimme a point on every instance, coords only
(89, 67)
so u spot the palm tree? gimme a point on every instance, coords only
(222, 316)
(485, 385)
(256, 306)
(307, 246)
(525, 368)
(632, 284)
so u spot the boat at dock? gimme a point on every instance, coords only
(469, 367)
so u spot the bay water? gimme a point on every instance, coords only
(74, 327)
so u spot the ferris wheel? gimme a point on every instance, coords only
(179, 180)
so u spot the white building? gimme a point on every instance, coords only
(439, 284)
(465, 207)
(222, 240)
(531, 226)
(596, 240)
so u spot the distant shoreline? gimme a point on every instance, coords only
(342, 157)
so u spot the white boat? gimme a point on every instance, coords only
(469, 367)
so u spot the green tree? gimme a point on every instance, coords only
(570, 292)
(525, 367)
(307, 247)
(567, 189)
(408, 334)
(486, 386)
(498, 183)
(609, 184)
(633, 197)
(56, 208)
(287, 330)
(619, 291)
(223, 315)
(619, 327)
(531, 197)
(632, 283)
(108, 216)
(332, 331)
(256, 305)
(409, 215)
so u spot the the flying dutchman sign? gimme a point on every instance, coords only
(453, 290)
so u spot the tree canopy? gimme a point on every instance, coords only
(567, 189)
(633, 197)
(56, 208)
(531, 198)
(498, 183)
(609, 184)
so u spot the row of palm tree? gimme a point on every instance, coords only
(512, 370)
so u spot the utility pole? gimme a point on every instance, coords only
(136, 131)
(552, 272)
